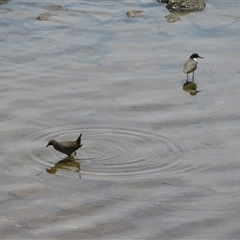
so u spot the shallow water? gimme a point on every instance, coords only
(156, 162)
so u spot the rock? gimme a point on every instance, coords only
(176, 16)
(44, 16)
(172, 17)
(4, 1)
(185, 5)
(57, 7)
(134, 14)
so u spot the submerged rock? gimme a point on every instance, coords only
(173, 17)
(57, 7)
(44, 16)
(134, 14)
(185, 5)
(4, 1)
(176, 16)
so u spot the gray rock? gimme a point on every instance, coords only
(176, 16)
(44, 16)
(185, 5)
(57, 7)
(4, 1)
(134, 14)
(172, 17)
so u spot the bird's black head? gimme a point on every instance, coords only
(51, 142)
(195, 55)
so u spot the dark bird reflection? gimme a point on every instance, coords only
(69, 164)
(191, 88)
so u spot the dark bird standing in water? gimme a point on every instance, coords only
(191, 64)
(67, 147)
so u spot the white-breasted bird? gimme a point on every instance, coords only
(191, 64)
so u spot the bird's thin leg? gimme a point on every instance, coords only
(193, 76)
(187, 76)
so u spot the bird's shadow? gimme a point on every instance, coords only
(190, 87)
(69, 164)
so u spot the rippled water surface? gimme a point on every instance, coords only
(160, 156)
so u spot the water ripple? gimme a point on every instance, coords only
(112, 153)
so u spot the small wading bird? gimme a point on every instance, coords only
(67, 147)
(191, 64)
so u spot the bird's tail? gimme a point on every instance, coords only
(78, 141)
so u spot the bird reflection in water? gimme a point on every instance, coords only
(69, 164)
(191, 88)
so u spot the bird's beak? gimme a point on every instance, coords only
(47, 145)
(200, 57)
